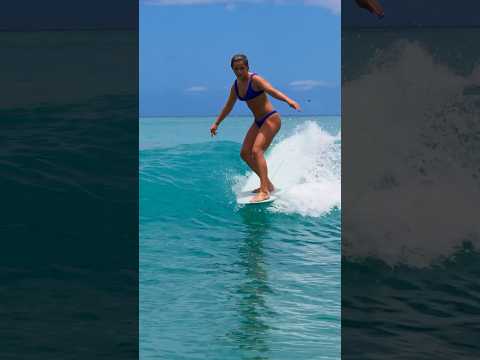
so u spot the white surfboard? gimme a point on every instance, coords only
(245, 198)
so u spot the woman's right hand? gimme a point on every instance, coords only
(213, 129)
(293, 104)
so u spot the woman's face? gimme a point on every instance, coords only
(240, 69)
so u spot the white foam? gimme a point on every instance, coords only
(306, 167)
(431, 216)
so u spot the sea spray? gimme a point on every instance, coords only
(410, 194)
(305, 165)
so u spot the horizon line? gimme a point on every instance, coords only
(183, 116)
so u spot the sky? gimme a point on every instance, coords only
(186, 47)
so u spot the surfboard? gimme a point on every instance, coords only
(245, 198)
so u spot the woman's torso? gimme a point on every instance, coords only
(259, 104)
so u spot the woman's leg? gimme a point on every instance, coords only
(247, 155)
(262, 141)
(246, 152)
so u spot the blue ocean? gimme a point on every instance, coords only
(224, 281)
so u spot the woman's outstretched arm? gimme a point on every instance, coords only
(277, 94)
(232, 98)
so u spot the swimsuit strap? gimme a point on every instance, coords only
(250, 90)
(238, 93)
(250, 82)
(236, 89)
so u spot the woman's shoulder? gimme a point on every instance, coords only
(258, 81)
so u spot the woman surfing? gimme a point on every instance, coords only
(253, 89)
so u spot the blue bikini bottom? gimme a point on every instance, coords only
(260, 121)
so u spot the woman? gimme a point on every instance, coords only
(253, 89)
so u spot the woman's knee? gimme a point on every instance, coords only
(257, 151)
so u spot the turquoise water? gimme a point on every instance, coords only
(220, 281)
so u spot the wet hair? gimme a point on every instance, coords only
(239, 57)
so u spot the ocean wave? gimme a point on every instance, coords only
(306, 166)
(415, 203)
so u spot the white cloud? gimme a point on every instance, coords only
(333, 5)
(230, 7)
(308, 84)
(196, 89)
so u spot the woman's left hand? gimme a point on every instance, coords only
(294, 104)
(213, 129)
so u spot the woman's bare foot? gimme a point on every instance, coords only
(261, 195)
(271, 188)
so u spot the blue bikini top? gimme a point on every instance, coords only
(250, 92)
